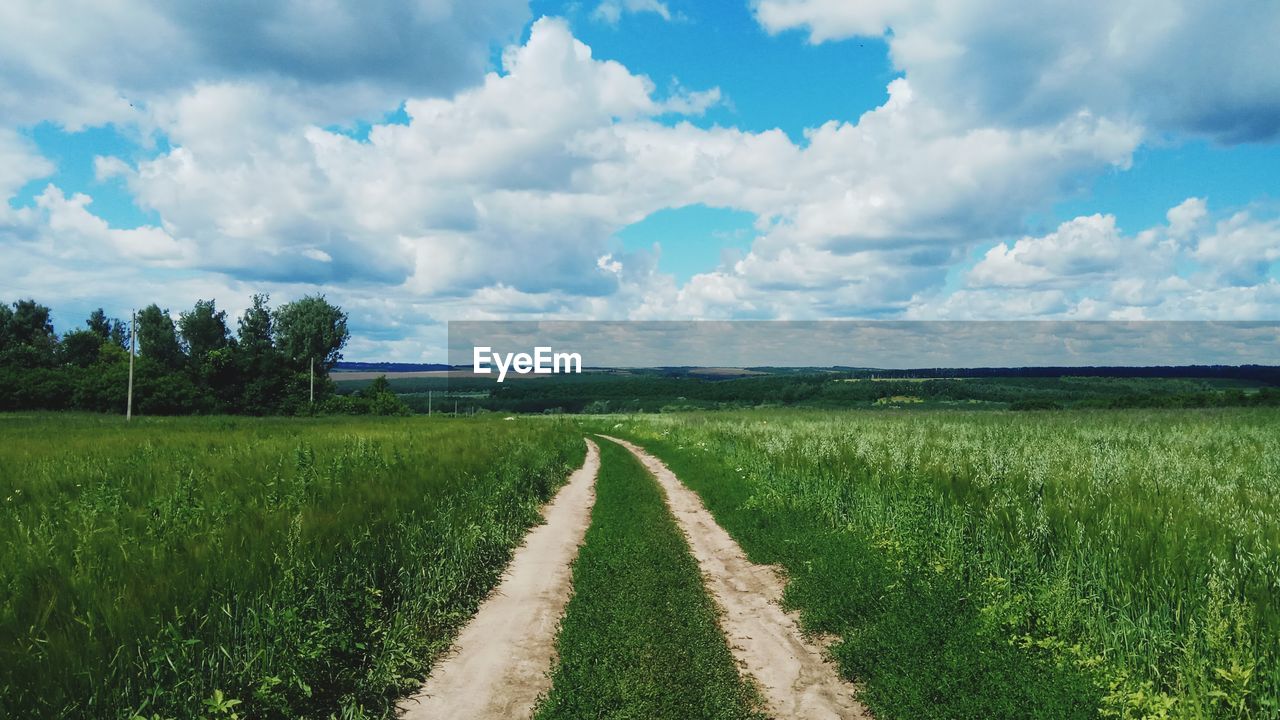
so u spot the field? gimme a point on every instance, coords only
(963, 564)
(1070, 564)
(272, 568)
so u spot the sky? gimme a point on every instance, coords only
(439, 160)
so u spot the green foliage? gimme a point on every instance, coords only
(26, 336)
(215, 373)
(221, 567)
(375, 399)
(204, 330)
(639, 638)
(108, 329)
(979, 565)
(158, 338)
(311, 329)
(81, 348)
(654, 391)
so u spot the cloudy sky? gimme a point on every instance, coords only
(432, 160)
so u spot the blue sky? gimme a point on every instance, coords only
(644, 159)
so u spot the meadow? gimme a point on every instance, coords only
(967, 564)
(1121, 564)
(266, 568)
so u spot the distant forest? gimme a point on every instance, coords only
(194, 366)
(672, 389)
(1263, 373)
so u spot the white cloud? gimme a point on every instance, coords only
(1080, 248)
(611, 11)
(80, 62)
(479, 203)
(1088, 268)
(20, 163)
(502, 200)
(1180, 65)
(1240, 250)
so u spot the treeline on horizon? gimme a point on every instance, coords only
(655, 392)
(1269, 374)
(196, 365)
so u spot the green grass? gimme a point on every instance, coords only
(993, 565)
(301, 567)
(639, 638)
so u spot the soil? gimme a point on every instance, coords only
(502, 659)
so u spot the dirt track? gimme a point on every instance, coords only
(794, 678)
(502, 659)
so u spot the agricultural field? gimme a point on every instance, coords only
(1121, 564)
(254, 568)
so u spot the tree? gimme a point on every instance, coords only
(28, 337)
(6, 336)
(311, 328)
(159, 338)
(111, 330)
(204, 330)
(257, 364)
(255, 327)
(81, 347)
(99, 324)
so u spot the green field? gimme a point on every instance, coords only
(301, 567)
(989, 564)
(1069, 564)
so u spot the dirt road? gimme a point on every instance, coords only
(794, 678)
(501, 660)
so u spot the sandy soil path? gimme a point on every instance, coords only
(792, 674)
(501, 660)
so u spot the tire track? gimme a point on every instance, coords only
(502, 659)
(792, 674)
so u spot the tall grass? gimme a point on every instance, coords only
(275, 568)
(1132, 558)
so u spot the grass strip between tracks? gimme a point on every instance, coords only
(639, 638)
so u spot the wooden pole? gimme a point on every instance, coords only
(428, 403)
(133, 344)
(313, 381)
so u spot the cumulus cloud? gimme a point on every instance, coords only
(480, 205)
(475, 192)
(1089, 268)
(1188, 66)
(20, 163)
(81, 63)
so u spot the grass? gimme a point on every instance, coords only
(275, 568)
(639, 638)
(991, 565)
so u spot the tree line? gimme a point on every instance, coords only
(196, 365)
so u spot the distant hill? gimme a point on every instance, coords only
(1260, 373)
(389, 367)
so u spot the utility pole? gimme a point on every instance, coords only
(133, 344)
(313, 380)
(428, 403)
